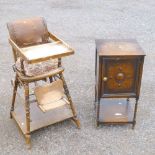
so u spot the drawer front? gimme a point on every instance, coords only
(119, 76)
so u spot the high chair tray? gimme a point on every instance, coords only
(46, 51)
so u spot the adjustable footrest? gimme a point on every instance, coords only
(50, 96)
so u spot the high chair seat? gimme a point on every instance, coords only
(37, 68)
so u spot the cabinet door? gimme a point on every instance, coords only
(119, 77)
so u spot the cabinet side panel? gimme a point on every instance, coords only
(140, 72)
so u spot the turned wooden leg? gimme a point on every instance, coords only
(51, 79)
(98, 113)
(27, 109)
(77, 122)
(97, 123)
(95, 98)
(14, 95)
(94, 105)
(127, 105)
(135, 112)
(127, 100)
(75, 119)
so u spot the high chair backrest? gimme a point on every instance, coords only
(28, 32)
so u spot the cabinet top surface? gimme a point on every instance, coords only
(113, 47)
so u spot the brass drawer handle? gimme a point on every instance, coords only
(105, 79)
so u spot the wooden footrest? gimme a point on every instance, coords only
(50, 96)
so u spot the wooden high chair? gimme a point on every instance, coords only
(37, 55)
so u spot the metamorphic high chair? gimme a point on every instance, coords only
(37, 55)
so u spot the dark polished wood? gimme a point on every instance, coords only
(115, 47)
(118, 72)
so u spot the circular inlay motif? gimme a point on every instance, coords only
(120, 76)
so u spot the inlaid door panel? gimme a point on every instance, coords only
(119, 76)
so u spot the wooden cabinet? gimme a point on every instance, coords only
(118, 73)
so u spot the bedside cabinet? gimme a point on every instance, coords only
(118, 72)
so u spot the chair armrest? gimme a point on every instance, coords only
(55, 38)
(16, 47)
(24, 78)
